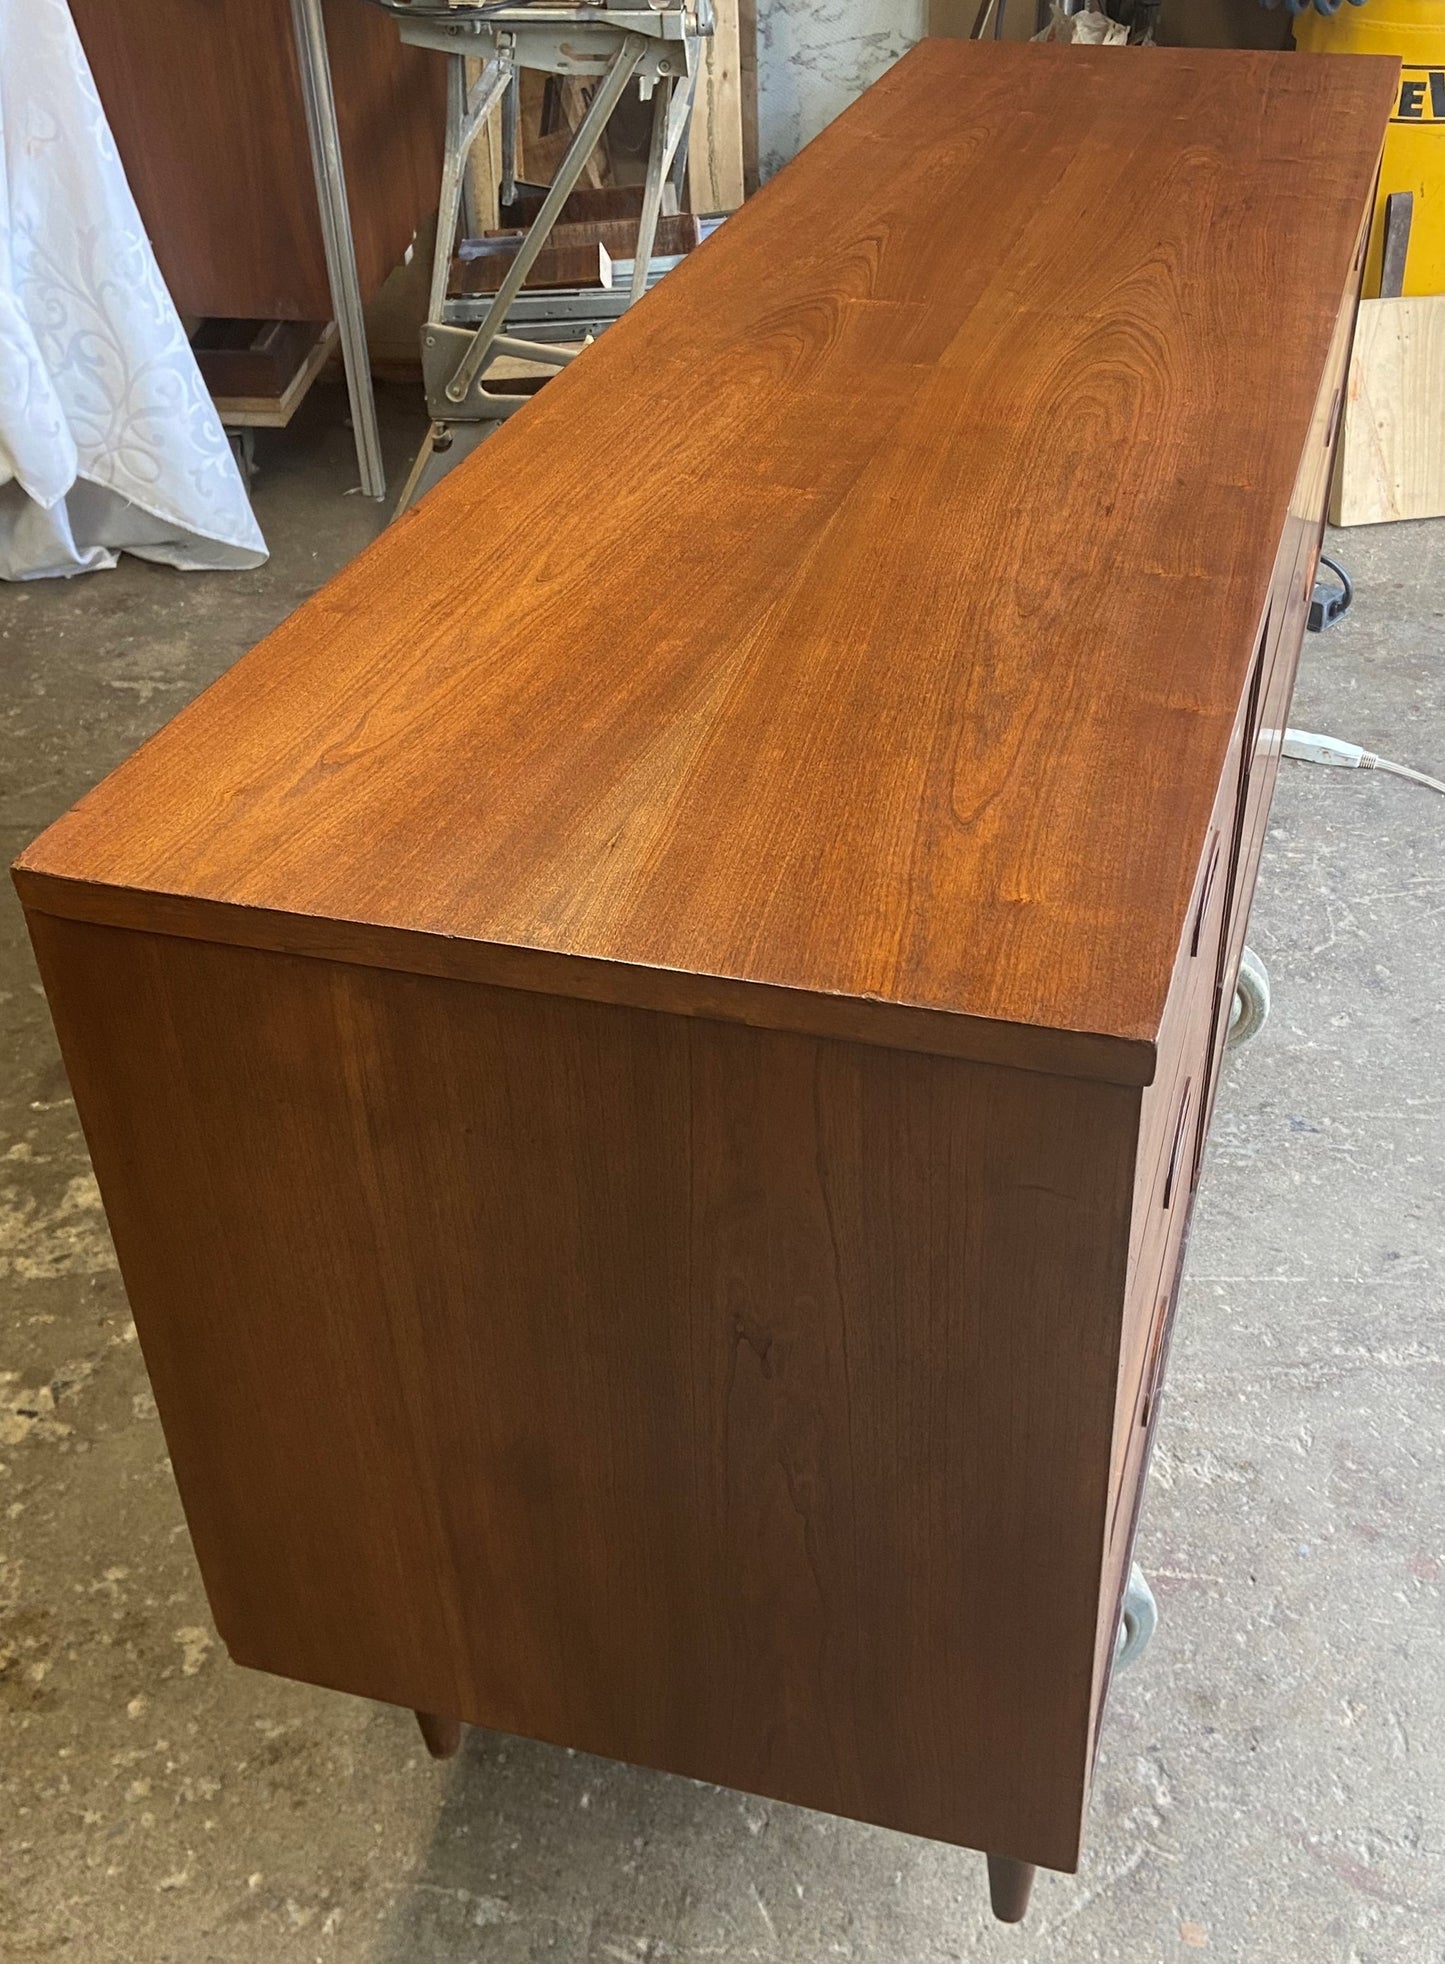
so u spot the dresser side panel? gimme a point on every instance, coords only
(730, 1401)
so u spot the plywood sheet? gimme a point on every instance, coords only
(1392, 453)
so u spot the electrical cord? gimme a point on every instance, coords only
(1307, 748)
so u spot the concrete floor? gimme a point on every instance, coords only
(1273, 1776)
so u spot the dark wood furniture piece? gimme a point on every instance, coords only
(204, 100)
(649, 1074)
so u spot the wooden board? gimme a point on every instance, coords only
(273, 411)
(666, 1389)
(586, 203)
(253, 358)
(677, 232)
(879, 703)
(205, 105)
(715, 145)
(562, 265)
(484, 164)
(1392, 452)
(587, 247)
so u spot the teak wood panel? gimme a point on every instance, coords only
(896, 688)
(204, 100)
(730, 1401)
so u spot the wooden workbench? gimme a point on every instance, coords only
(649, 1051)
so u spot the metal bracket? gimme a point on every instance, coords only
(443, 349)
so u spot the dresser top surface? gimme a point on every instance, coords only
(866, 614)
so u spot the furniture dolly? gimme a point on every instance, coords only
(649, 1076)
(613, 42)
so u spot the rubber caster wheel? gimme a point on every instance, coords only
(1251, 999)
(1138, 1620)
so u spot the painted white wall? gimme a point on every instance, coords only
(815, 56)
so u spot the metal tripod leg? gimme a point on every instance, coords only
(326, 162)
(609, 91)
(466, 119)
(453, 164)
(509, 141)
(671, 109)
(651, 191)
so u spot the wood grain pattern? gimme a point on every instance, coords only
(701, 1396)
(889, 682)
(204, 100)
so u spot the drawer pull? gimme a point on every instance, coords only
(1254, 711)
(1205, 892)
(1151, 1369)
(1176, 1149)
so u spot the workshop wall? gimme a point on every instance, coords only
(815, 56)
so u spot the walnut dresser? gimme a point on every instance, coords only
(648, 1053)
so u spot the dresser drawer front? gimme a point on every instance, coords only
(1143, 1406)
(1177, 1108)
(1182, 1048)
(1169, 1205)
(1312, 485)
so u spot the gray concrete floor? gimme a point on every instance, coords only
(1273, 1776)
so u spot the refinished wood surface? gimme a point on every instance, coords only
(865, 616)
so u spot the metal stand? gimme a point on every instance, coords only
(658, 44)
(330, 171)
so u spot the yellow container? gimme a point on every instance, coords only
(1415, 145)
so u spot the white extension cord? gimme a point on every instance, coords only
(1312, 749)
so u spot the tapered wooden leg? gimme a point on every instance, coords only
(1009, 1883)
(443, 1735)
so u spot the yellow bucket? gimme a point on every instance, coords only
(1415, 145)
